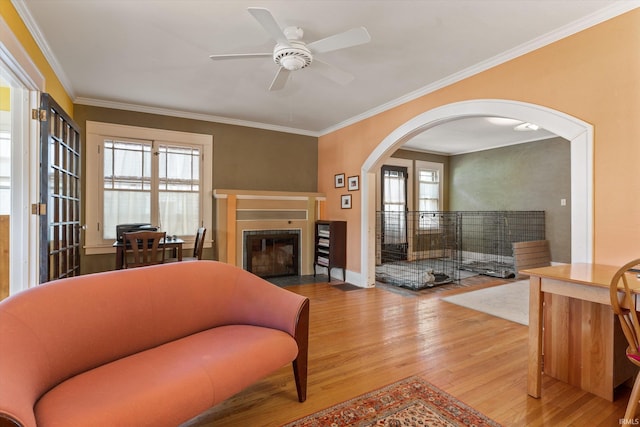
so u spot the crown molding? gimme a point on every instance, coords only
(29, 22)
(588, 21)
(189, 115)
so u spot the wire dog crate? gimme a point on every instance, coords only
(425, 249)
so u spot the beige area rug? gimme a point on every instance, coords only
(509, 301)
(410, 402)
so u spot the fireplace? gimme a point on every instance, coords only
(272, 253)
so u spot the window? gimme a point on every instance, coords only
(429, 195)
(146, 176)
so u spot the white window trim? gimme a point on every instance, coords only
(96, 134)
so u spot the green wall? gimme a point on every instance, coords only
(530, 176)
(243, 158)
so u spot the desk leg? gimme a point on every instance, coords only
(534, 379)
(119, 257)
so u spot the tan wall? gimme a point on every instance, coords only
(591, 75)
(243, 158)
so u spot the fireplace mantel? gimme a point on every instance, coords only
(237, 211)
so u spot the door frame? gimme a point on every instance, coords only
(18, 62)
(578, 132)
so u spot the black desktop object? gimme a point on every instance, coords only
(128, 228)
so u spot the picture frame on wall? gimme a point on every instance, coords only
(339, 180)
(346, 201)
(353, 183)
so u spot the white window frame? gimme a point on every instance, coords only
(97, 133)
(422, 165)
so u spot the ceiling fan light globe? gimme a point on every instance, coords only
(292, 63)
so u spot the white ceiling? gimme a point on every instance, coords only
(153, 55)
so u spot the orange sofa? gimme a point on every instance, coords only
(152, 346)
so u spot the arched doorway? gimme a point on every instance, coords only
(578, 132)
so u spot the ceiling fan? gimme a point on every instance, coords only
(291, 53)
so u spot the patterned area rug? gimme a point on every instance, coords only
(410, 402)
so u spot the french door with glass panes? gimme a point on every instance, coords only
(60, 193)
(394, 213)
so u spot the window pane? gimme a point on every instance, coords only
(428, 190)
(394, 190)
(127, 165)
(123, 207)
(127, 185)
(428, 205)
(179, 212)
(179, 174)
(428, 197)
(428, 175)
(394, 224)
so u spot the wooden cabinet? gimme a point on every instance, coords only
(330, 246)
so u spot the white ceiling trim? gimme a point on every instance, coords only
(189, 115)
(559, 34)
(29, 22)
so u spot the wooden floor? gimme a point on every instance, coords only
(364, 339)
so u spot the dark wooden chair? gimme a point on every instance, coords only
(143, 248)
(198, 245)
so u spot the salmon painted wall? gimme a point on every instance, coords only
(593, 75)
(20, 31)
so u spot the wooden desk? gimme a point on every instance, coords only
(174, 245)
(581, 342)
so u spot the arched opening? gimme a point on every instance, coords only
(578, 132)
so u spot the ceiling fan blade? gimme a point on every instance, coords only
(280, 79)
(240, 55)
(268, 22)
(331, 72)
(352, 37)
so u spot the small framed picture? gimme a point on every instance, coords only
(346, 201)
(339, 180)
(353, 183)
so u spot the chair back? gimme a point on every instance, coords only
(623, 284)
(199, 243)
(143, 248)
(531, 254)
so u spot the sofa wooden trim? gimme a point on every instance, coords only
(300, 363)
